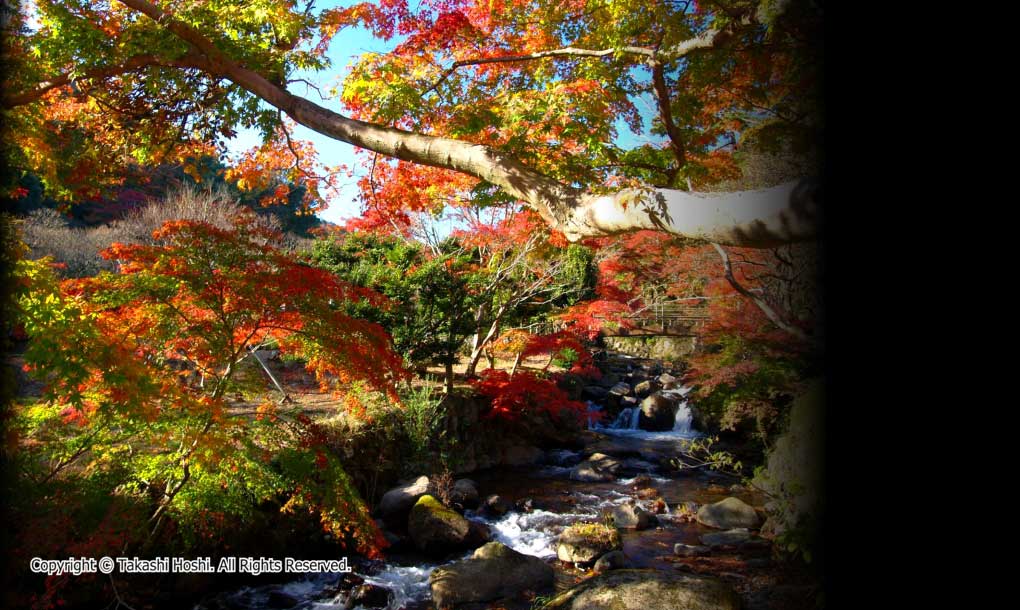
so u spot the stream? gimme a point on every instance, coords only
(557, 501)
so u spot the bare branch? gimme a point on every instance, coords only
(765, 308)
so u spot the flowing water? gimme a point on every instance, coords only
(556, 502)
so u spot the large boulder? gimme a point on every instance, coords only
(647, 590)
(494, 571)
(728, 514)
(437, 529)
(396, 503)
(632, 516)
(583, 543)
(658, 412)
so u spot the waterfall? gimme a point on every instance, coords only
(682, 423)
(627, 419)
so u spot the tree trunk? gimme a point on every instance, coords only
(449, 376)
(759, 219)
(479, 349)
(517, 362)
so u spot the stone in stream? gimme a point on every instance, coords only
(613, 560)
(478, 534)
(437, 529)
(397, 502)
(465, 493)
(620, 389)
(368, 596)
(525, 505)
(632, 516)
(494, 571)
(598, 467)
(496, 506)
(731, 537)
(647, 590)
(658, 413)
(666, 379)
(593, 392)
(646, 387)
(583, 543)
(728, 514)
(690, 550)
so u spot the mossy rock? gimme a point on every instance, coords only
(437, 529)
(494, 571)
(583, 543)
(647, 590)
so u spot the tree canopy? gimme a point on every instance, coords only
(485, 101)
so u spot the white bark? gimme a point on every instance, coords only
(758, 219)
(761, 218)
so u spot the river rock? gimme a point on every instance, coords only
(437, 529)
(613, 560)
(598, 467)
(494, 571)
(690, 550)
(593, 392)
(583, 543)
(496, 506)
(658, 412)
(397, 502)
(647, 590)
(465, 493)
(666, 379)
(368, 596)
(731, 537)
(646, 387)
(632, 516)
(478, 534)
(620, 389)
(728, 514)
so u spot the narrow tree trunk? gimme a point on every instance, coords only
(517, 362)
(449, 376)
(286, 397)
(476, 353)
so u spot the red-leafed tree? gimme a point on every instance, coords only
(139, 367)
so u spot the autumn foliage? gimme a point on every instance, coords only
(139, 368)
(526, 395)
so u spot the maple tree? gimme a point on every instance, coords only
(139, 366)
(521, 96)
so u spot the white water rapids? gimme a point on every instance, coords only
(532, 533)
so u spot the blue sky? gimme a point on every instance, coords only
(345, 48)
